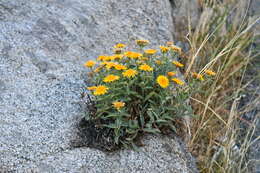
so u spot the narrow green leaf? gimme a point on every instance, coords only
(151, 130)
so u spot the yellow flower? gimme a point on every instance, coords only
(102, 58)
(118, 56)
(118, 105)
(109, 65)
(100, 90)
(210, 72)
(171, 73)
(129, 73)
(119, 45)
(158, 62)
(92, 88)
(150, 51)
(164, 49)
(111, 78)
(90, 63)
(120, 67)
(145, 67)
(108, 58)
(178, 64)
(163, 81)
(197, 76)
(112, 57)
(178, 81)
(176, 48)
(142, 43)
(133, 55)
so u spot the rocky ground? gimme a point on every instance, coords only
(43, 44)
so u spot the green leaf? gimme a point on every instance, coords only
(161, 121)
(112, 126)
(168, 117)
(118, 123)
(148, 87)
(151, 130)
(151, 101)
(86, 116)
(173, 128)
(132, 137)
(170, 108)
(131, 131)
(149, 96)
(150, 114)
(142, 120)
(135, 94)
(112, 115)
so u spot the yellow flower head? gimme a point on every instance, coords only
(129, 73)
(210, 72)
(150, 51)
(197, 76)
(163, 81)
(145, 67)
(164, 49)
(171, 73)
(142, 43)
(109, 65)
(90, 63)
(133, 55)
(119, 45)
(92, 88)
(178, 64)
(102, 58)
(178, 81)
(118, 105)
(118, 56)
(112, 57)
(110, 78)
(158, 62)
(120, 67)
(100, 90)
(176, 48)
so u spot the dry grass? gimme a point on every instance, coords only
(221, 41)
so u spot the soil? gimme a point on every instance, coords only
(95, 137)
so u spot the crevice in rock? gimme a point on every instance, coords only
(89, 135)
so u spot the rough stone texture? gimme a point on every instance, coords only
(162, 156)
(43, 44)
(182, 11)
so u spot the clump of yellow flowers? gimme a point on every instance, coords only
(139, 91)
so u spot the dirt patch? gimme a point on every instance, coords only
(90, 135)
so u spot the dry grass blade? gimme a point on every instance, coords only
(221, 42)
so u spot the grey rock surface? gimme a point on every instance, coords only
(181, 9)
(43, 44)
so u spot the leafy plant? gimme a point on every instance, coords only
(137, 92)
